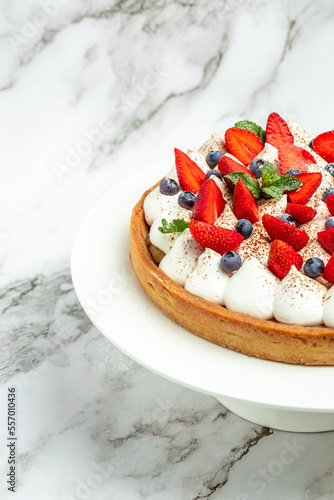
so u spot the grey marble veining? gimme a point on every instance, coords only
(92, 92)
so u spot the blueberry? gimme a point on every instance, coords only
(230, 261)
(186, 200)
(213, 158)
(168, 187)
(293, 171)
(330, 168)
(310, 145)
(244, 227)
(213, 172)
(288, 218)
(329, 223)
(256, 166)
(314, 267)
(327, 193)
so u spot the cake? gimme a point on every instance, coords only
(236, 242)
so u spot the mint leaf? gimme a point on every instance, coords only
(288, 182)
(268, 174)
(176, 226)
(253, 127)
(252, 184)
(272, 192)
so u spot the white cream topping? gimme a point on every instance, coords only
(156, 203)
(299, 300)
(208, 280)
(251, 290)
(329, 308)
(182, 259)
(165, 241)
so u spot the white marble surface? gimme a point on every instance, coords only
(136, 79)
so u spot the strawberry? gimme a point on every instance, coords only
(301, 213)
(281, 257)
(244, 203)
(243, 144)
(209, 202)
(217, 238)
(190, 176)
(291, 156)
(311, 182)
(330, 203)
(277, 131)
(323, 144)
(280, 230)
(226, 166)
(326, 239)
(329, 270)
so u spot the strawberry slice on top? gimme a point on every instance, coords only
(277, 131)
(217, 238)
(244, 203)
(291, 156)
(282, 257)
(209, 202)
(330, 203)
(301, 213)
(302, 195)
(323, 144)
(190, 176)
(280, 230)
(326, 239)
(243, 144)
(227, 165)
(329, 270)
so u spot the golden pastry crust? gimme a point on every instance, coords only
(243, 333)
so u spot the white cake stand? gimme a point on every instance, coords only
(281, 396)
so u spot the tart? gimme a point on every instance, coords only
(245, 261)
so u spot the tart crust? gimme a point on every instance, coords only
(240, 332)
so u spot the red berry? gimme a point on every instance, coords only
(190, 176)
(227, 165)
(244, 203)
(326, 239)
(323, 144)
(243, 144)
(277, 131)
(280, 230)
(302, 195)
(282, 257)
(209, 202)
(301, 213)
(291, 156)
(217, 238)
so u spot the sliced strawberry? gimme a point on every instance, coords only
(330, 203)
(209, 202)
(243, 144)
(282, 257)
(302, 195)
(277, 131)
(190, 176)
(323, 144)
(244, 203)
(326, 239)
(329, 270)
(301, 213)
(280, 230)
(291, 156)
(217, 238)
(226, 166)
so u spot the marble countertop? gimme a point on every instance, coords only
(92, 92)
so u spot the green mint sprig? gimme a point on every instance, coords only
(176, 226)
(253, 127)
(273, 185)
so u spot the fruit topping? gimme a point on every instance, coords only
(253, 127)
(330, 168)
(326, 239)
(282, 257)
(217, 238)
(243, 144)
(329, 191)
(314, 267)
(277, 131)
(330, 203)
(288, 219)
(244, 227)
(213, 172)
(230, 261)
(329, 270)
(291, 156)
(227, 166)
(310, 144)
(293, 171)
(168, 187)
(329, 223)
(255, 167)
(279, 230)
(190, 176)
(186, 200)
(311, 182)
(301, 213)
(209, 202)
(213, 158)
(244, 203)
(323, 144)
